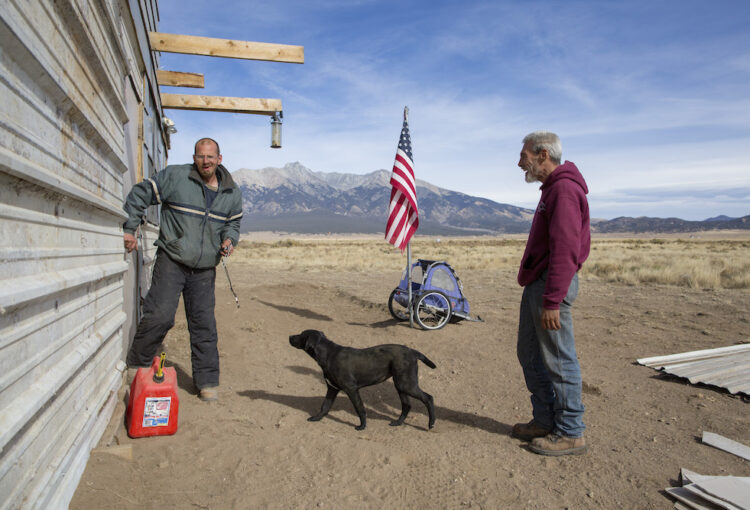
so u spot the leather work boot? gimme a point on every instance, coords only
(528, 431)
(209, 394)
(556, 445)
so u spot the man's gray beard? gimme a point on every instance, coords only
(529, 174)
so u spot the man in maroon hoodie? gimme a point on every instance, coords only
(558, 244)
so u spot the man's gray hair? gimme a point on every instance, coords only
(545, 140)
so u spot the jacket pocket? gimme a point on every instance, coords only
(176, 246)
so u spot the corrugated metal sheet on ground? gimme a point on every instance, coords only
(706, 492)
(726, 367)
(726, 444)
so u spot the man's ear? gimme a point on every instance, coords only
(543, 155)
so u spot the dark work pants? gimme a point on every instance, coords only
(169, 280)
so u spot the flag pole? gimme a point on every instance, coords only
(408, 277)
(408, 253)
(403, 213)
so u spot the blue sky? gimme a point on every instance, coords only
(650, 98)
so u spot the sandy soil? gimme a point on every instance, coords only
(255, 448)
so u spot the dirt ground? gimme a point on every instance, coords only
(254, 448)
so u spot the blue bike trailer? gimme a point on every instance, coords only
(437, 295)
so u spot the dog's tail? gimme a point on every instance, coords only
(424, 359)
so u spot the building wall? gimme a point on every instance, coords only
(75, 78)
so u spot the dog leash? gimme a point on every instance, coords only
(236, 299)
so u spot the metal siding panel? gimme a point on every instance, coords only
(131, 303)
(52, 435)
(64, 164)
(148, 136)
(50, 233)
(141, 27)
(26, 361)
(40, 141)
(35, 395)
(96, 43)
(74, 88)
(129, 44)
(92, 392)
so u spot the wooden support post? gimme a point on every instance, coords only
(179, 79)
(139, 167)
(194, 45)
(223, 104)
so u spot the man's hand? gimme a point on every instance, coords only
(131, 243)
(226, 248)
(550, 319)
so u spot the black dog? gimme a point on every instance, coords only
(349, 369)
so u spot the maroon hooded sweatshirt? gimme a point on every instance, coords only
(560, 237)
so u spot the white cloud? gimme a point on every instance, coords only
(641, 98)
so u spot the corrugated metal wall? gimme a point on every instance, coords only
(74, 78)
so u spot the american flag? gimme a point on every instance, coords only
(403, 215)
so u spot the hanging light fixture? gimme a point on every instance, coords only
(168, 125)
(276, 130)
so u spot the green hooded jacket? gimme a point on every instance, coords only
(190, 233)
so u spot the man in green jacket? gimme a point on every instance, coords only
(201, 208)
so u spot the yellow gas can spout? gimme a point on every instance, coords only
(159, 375)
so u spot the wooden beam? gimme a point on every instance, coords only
(221, 104)
(179, 79)
(194, 45)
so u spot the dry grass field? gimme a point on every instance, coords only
(684, 262)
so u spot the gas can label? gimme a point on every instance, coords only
(156, 411)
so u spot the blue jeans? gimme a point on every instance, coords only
(549, 362)
(171, 279)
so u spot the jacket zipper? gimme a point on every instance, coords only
(205, 216)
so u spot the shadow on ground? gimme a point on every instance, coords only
(380, 404)
(377, 325)
(184, 379)
(307, 314)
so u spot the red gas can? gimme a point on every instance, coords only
(153, 404)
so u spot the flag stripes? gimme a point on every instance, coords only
(403, 213)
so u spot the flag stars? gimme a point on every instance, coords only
(404, 142)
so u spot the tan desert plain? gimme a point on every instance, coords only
(254, 448)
